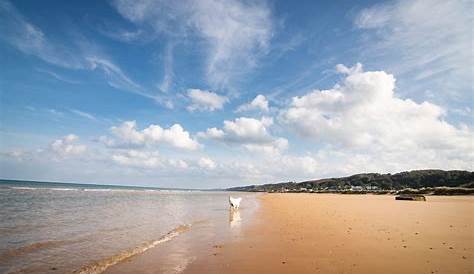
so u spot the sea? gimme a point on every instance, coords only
(85, 228)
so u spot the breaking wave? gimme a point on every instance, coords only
(23, 188)
(102, 265)
(44, 188)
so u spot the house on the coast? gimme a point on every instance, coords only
(357, 188)
(370, 187)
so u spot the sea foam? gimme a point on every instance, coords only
(101, 265)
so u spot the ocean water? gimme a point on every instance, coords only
(73, 228)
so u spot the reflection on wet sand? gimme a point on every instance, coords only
(234, 218)
(192, 251)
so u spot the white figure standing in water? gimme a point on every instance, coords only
(234, 214)
(234, 202)
(234, 218)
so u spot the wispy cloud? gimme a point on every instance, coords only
(428, 43)
(31, 40)
(235, 32)
(58, 77)
(115, 76)
(28, 38)
(123, 35)
(84, 114)
(167, 81)
(55, 112)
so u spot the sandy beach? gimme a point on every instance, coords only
(327, 233)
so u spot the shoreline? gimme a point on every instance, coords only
(202, 240)
(331, 233)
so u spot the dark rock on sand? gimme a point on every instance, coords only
(411, 197)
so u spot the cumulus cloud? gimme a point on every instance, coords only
(205, 100)
(66, 146)
(258, 103)
(362, 114)
(235, 32)
(127, 134)
(251, 133)
(242, 130)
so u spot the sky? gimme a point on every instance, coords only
(220, 93)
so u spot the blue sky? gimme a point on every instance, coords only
(222, 93)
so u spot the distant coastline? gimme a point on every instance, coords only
(430, 181)
(42, 184)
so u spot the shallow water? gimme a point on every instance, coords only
(50, 228)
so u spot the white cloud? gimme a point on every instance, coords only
(115, 32)
(29, 39)
(205, 100)
(19, 155)
(251, 133)
(181, 164)
(175, 135)
(357, 68)
(78, 54)
(128, 134)
(66, 146)
(242, 130)
(427, 43)
(55, 112)
(139, 159)
(213, 133)
(152, 160)
(248, 130)
(207, 163)
(116, 78)
(363, 115)
(275, 147)
(146, 160)
(235, 32)
(169, 104)
(84, 114)
(167, 81)
(268, 169)
(374, 17)
(58, 77)
(296, 167)
(258, 103)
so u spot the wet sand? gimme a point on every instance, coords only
(325, 233)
